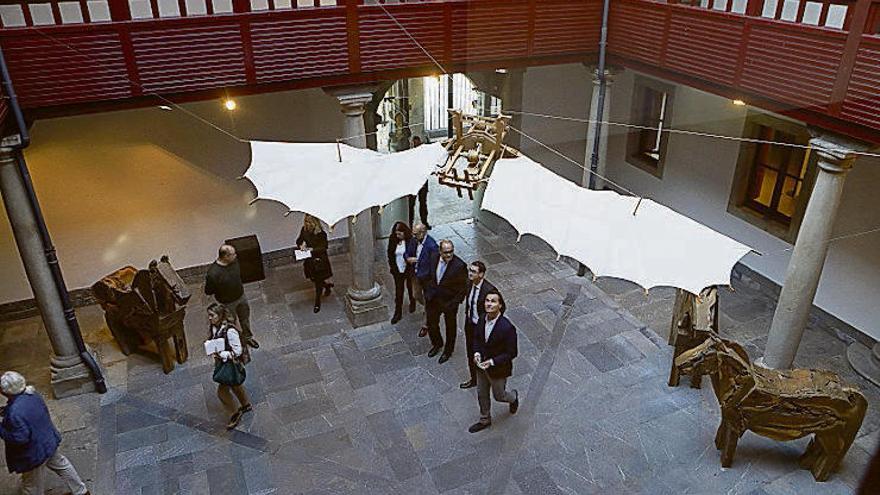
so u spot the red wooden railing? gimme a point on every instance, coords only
(816, 57)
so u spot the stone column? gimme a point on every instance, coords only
(808, 257)
(591, 129)
(363, 301)
(69, 375)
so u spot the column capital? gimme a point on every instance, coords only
(836, 153)
(610, 72)
(352, 99)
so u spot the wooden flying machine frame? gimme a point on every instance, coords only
(481, 144)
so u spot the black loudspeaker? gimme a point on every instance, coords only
(250, 258)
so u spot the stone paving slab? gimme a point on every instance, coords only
(348, 411)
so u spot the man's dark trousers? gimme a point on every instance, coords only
(434, 310)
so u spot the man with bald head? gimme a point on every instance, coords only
(445, 289)
(426, 247)
(224, 283)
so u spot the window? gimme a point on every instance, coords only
(773, 181)
(652, 110)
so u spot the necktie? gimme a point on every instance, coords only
(471, 308)
(441, 270)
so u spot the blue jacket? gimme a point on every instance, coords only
(501, 347)
(423, 265)
(30, 437)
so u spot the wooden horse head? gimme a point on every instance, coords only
(709, 357)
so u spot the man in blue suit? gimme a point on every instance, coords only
(494, 351)
(425, 249)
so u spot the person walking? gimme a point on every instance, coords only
(401, 246)
(317, 267)
(475, 307)
(422, 196)
(444, 291)
(426, 248)
(494, 351)
(223, 281)
(229, 372)
(31, 439)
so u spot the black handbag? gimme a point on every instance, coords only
(230, 373)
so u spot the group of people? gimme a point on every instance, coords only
(432, 274)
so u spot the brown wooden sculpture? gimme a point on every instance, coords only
(778, 404)
(694, 318)
(143, 306)
(479, 141)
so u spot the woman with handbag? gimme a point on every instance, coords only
(401, 246)
(317, 267)
(229, 372)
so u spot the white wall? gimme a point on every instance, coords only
(126, 187)
(697, 181)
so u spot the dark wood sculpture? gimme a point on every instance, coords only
(694, 318)
(480, 142)
(146, 306)
(778, 404)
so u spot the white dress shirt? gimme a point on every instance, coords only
(490, 324)
(398, 256)
(473, 300)
(441, 269)
(419, 248)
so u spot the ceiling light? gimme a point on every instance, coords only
(230, 104)
(165, 108)
(501, 70)
(739, 103)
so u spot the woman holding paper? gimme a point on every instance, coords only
(317, 268)
(224, 344)
(401, 245)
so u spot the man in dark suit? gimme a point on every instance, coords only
(425, 249)
(474, 308)
(444, 291)
(494, 352)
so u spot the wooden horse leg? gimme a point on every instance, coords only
(674, 374)
(828, 453)
(696, 381)
(719, 436)
(813, 451)
(728, 449)
(164, 354)
(180, 346)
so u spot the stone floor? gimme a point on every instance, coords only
(342, 410)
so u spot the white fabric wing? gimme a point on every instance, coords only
(309, 177)
(657, 246)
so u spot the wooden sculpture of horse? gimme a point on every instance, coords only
(694, 318)
(779, 404)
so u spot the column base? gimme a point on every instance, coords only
(865, 361)
(365, 307)
(70, 376)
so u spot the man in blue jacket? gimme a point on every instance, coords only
(494, 351)
(31, 439)
(425, 249)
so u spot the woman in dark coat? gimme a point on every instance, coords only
(401, 246)
(317, 267)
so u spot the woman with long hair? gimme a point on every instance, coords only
(228, 370)
(401, 246)
(317, 267)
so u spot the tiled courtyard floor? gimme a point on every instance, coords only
(342, 410)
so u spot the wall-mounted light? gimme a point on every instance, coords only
(165, 108)
(230, 104)
(739, 103)
(501, 70)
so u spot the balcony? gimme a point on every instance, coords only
(818, 60)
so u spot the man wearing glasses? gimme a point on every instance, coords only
(444, 291)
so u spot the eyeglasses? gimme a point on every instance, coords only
(447, 252)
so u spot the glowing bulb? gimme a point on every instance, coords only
(739, 103)
(230, 104)
(165, 108)
(501, 70)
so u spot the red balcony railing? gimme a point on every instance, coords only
(819, 56)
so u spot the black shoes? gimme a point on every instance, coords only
(236, 418)
(479, 427)
(514, 406)
(395, 318)
(317, 308)
(444, 358)
(423, 332)
(327, 288)
(412, 306)
(434, 351)
(468, 384)
(252, 343)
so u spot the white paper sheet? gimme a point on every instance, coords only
(301, 255)
(213, 346)
(655, 247)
